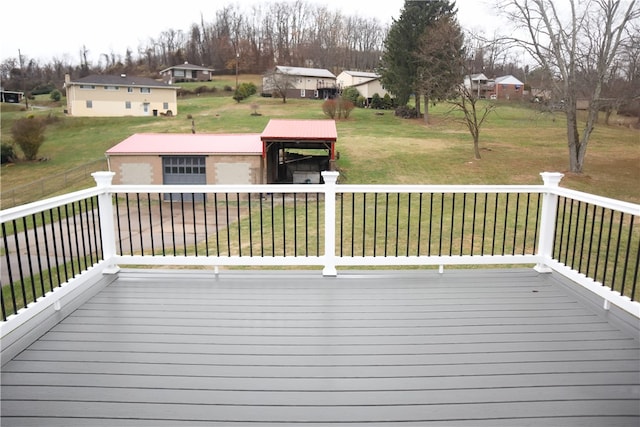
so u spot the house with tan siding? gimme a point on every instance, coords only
(300, 82)
(120, 96)
(367, 84)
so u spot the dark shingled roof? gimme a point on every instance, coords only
(120, 80)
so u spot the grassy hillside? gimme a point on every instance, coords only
(517, 143)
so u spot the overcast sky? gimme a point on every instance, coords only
(45, 29)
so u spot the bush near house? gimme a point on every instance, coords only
(28, 133)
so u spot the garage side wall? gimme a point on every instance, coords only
(220, 169)
(136, 170)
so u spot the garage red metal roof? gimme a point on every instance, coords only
(188, 143)
(302, 130)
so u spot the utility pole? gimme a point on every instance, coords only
(237, 60)
(24, 83)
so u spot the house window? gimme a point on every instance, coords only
(89, 103)
(316, 93)
(89, 87)
(111, 88)
(165, 105)
(130, 89)
(178, 73)
(127, 105)
(302, 93)
(145, 90)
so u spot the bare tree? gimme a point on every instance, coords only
(278, 83)
(474, 113)
(588, 34)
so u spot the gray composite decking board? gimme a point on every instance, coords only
(478, 347)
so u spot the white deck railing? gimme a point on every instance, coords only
(592, 240)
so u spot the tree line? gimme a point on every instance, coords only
(294, 33)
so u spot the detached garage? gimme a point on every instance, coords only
(156, 159)
(286, 151)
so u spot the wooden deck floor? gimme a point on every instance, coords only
(473, 348)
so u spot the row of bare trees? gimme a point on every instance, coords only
(294, 33)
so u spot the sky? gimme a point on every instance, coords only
(42, 29)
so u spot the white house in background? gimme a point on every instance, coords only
(479, 84)
(368, 84)
(300, 82)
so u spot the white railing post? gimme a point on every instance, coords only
(330, 179)
(548, 220)
(107, 228)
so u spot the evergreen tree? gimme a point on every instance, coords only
(399, 64)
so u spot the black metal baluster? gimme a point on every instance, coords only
(250, 225)
(535, 229)
(430, 223)
(341, 224)
(584, 234)
(295, 224)
(45, 235)
(397, 222)
(7, 254)
(593, 225)
(515, 225)
(495, 226)
(408, 222)
(353, 222)
(563, 214)
(273, 227)
(484, 222)
(206, 224)
(595, 274)
(504, 225)
(453, 210)
(215, 202)
(239, 224)
(184, 224)
(364, 222)
(473, 222)
(566, 253)
(226, 203)
(27, 246)
(55, 246)
(70, 240)
(62, 244)
(464, 213)
(195, 229)
(36, 234)
(129, 223)
(173, 225)
(139, 224)
(261, 228)
(616, 256)
(526, 225)
(386, 224)
(284, 226)
(626, 258)
(153, 246)
(575, 236)
(419, 224)
(19, 259)
(606, 257)
(118, 224)
(160, 202)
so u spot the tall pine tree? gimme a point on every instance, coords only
(399, 64)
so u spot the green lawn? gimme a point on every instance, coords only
(517, 143)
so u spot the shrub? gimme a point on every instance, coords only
(345, 107)
(330, 107)
(228, 88)
(406, 113)
(7, 153)
(244, 91)
(28, 133)
(361, 101)
(55, 95)
(376, 102)
(387, 102)
(351, 94)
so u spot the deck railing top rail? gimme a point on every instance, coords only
(593, 240)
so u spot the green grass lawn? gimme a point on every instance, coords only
(517, 143)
